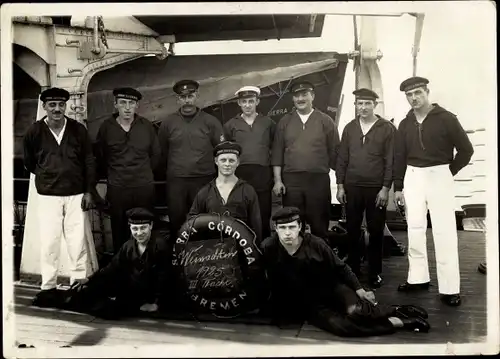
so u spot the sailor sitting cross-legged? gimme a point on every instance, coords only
(309, 282)
(136, 276)
(227, 194)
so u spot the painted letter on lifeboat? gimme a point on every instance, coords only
(218, 266)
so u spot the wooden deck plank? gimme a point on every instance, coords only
(467, 323)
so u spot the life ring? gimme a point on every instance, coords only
(218, 265)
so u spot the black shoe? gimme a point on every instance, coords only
(407, 287)
(46, 298)
(482, 268)
(453, 300)
(376, 282)
(410, 311)
(416, 324)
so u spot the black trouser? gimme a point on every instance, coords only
(359, 200)
(121, 199)
(95, 298)
(261, 179)
(181, 192)
(366, 320)
(311, 194)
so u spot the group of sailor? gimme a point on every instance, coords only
(233, 168)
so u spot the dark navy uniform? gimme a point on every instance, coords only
(364, 166)
(132, 278)
(128, 161)
(242, 203)
(306, 153)
(313, 284)
(187, 143)
(255, 161)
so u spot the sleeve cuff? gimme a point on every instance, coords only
(357, 286)
(398, 186)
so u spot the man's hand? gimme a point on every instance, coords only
(79, 282)
(369, 296)
(279, 188)
(149, 307)
(341, 196)
(382, 198)
(87, 201)
(99, 202)
(399, 199)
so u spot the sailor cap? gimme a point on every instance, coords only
(227, 147)
(248, 91)
(301, 85)
(128, 93)
(413, 83)
(54, 94)
(186, 87)
(365, 94)
(286, 215)
(139, 215)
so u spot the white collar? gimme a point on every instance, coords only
(61, 134)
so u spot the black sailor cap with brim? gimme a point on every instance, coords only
(301, 85)
(185, 87)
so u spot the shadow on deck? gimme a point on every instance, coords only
(465, 324)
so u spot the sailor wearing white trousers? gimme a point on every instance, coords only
(58, 151)
(424, 166)
(61, 216)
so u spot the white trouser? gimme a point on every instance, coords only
(57, 216)
(432, 188)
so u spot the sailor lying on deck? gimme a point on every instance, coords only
(309, 282)
(229, 194)
(135, 277)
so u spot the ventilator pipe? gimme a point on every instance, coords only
(96, 49)
(416, 42)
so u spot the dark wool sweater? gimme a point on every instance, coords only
(430, 143)
(61, 170)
